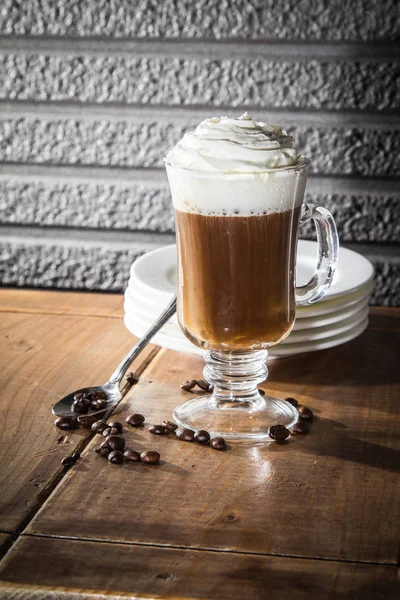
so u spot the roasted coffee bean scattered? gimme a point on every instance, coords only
(104, 452)
(292, 401)
(111, 431)
(86, 421)
(278, 433)
(204, 385)
(76, 455)
(98, 404)
(116, 457)
(158, 429)
(131, 378)
(188, 385)
(135, 420)
(105, 445)
(150, 457)
(116, 425)
(300, 427)
(306, 413)
(68, 461)
(132, 456)
(202, 436)
(218, 443)
(170, 426)
(261, 392)
(66, 423)
(186, 435)
(99, 426)
(115, 442)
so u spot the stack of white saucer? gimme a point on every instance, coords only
(341, 316)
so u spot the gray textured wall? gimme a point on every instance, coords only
(93, 93)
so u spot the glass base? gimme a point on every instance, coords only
(239, 419)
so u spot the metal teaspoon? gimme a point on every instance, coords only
(63, 408)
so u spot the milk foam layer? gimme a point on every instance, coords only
(236, 167)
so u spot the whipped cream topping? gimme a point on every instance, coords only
(242, 145)
(236, 167)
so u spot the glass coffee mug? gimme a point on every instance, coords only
(236, 241)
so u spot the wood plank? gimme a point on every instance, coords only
(6, 540)
(46, 568)
(42, 358)
(331, 494)
(61, 303)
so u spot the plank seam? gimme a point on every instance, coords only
(206, 549)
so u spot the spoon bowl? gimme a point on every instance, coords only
(64, 407)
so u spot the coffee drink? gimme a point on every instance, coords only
(235, 288)
(237, 188)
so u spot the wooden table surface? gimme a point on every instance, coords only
(317, 517)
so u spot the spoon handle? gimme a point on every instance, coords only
(142, 343)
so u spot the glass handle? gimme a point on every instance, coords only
(328, 254)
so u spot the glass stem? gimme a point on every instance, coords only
(235, 376)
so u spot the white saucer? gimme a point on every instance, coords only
(182, 345)
(155, 272)
(172, 328)
(339, 317)
(137, 306)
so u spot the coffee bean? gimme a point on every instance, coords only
(135, 420)
(91, 395)
(186, 435)
(66, 423)
(170, 426)
(116, 457)
(68, 461)
(81, 406)
(150, 457)
(99, 426)
(204, 385)
(104, 452)
(116, 425)
(98, 404)
(261, 392)
(132, 456)
(79, 396)
(300, 427)
(115, 442)
(76, 455)
(100, 395)
(111, 431)
(105, 445)
(292, 401)
(188, 385)
(306, 413)
(86, 421)
(278, 433)
(131, 378)
(158, 429)
(202, 436)
(218, 443)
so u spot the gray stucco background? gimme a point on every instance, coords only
(93, 93)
